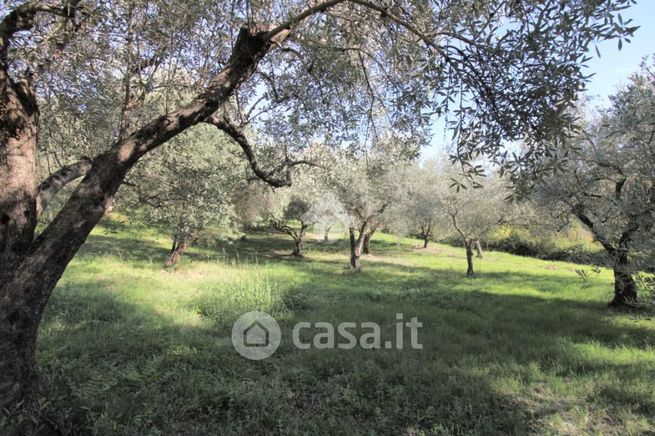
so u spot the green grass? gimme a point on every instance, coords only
(524, 347)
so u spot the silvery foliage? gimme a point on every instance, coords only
(368, 183)
(500, 71)
(473, 210)
(608, 177)
(420, 207)
(188, 185)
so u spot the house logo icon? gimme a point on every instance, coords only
(256, 335)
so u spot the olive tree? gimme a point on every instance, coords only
(294, 210)
(184, 189)
(366, 185)
(419, 209)
(297, 212)
(513, 67)
(607, 181)
(327, 212)
(473, 210)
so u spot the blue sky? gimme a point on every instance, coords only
(610, 70)
(614, 66)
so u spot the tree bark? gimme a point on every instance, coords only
(175, 236)
(366, 246)
(180, 245)
(426, 232)
(57, 181)
(19, 118)
(19, 377)
(478, 248)
(326, 234)
(469, 258)
(356, 246)
(625, 289)
(297, 249)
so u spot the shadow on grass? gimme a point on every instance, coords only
(115, 367)
(259, 245)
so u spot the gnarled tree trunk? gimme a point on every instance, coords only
(297, 236)
(297, 249)
(625, 289)
(19, 118)
(298, 240)
(21, 302)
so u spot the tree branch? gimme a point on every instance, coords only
(285, 228)
(54, 183)
(459, 230)
(22, 18)
(285, 28)
(410, 27)
(586, 220)
(224, 124)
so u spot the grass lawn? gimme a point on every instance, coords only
(526, 346)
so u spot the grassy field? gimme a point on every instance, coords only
(526, 346)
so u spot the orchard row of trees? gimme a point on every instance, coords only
(96, 90)
(602, 177)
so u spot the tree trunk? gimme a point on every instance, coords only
(18, 141)
(297, 236)
(20, 387)
(478, 248)
(426, 232)
(174, 243)
(24, 295)
(297, 250)
(301, 237)
(21, 304)
(366, 247)
(625, 289)
(356, 246)
(326, 234)
(180, 246)
(469, 258)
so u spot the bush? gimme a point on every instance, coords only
(554, 246)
